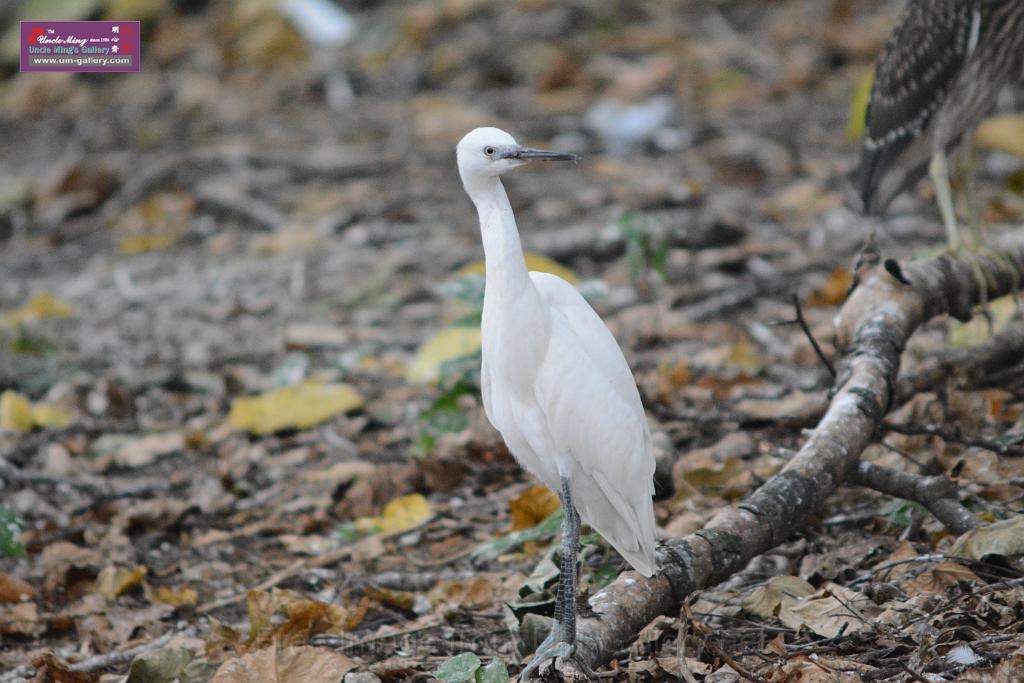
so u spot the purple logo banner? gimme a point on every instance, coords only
(80, 46)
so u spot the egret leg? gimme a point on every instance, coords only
(561, 642)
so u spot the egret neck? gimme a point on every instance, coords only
(503, 253)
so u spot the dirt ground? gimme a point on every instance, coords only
(252, 216)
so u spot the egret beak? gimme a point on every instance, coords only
(529, 154)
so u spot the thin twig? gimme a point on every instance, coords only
(717, 650)
(954, 436)
(121, 656)
(802, 322)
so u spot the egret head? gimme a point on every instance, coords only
(489, 152)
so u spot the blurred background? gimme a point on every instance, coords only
(272, 205)
(279, 156)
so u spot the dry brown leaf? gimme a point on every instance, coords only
(833, 291)
(51, 670)
(1005, 537)
(389, 596)
(22, 620)
(277, 664)
(778, 592)
(796, 405)
(803, 669)
(13, 589)
(898, 563)
(475, 593)
(58, 561)
(340, 472)
(287, 618)
(532, 507)
(145, 450)
(727, 479)
(828, 612)
(939, 578)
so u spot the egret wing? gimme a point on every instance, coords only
(593, 336)
(594, 420)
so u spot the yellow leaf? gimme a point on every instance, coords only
(978, 329)
(296, 407)
(449, 343)
(115, 581)
(728, 479)
(140, 244)
(40, 307)
(176, 597)
(532, 507)
(404, 513)
(18, 414)
(15, 412)
(534, 262)
(1002, 133)
(859, 105)
(743, 355)
(49, 416)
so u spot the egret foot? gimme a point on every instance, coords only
(554, 646)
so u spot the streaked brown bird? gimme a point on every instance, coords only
(939, 75)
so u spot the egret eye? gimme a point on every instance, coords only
(489, 151)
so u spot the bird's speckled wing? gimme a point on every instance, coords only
(920, 62)
(593, 415)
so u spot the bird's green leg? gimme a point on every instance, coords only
(968, 168)
(561, 642)
(974, 209)
(939, 171)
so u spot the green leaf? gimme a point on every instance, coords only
(459, 668)
(900, 512)
(603, 576)
(544, 531)
(495, 672)
(10, 526)
(467, 288)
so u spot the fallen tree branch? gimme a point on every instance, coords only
(1001, 350)
(871, 330)
(938, 494)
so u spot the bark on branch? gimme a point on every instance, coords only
(871, 330)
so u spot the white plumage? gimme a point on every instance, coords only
(573, 409)
(555, 383)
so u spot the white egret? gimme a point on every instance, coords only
(557, 387)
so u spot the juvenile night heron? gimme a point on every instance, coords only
(557, 388)
(937, 78)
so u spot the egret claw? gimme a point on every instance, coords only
(549, 651)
